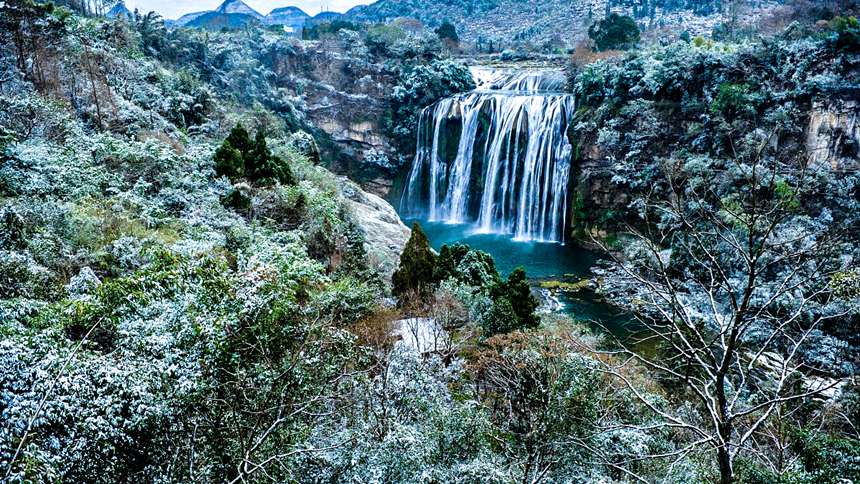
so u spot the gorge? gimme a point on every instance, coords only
(638, 264)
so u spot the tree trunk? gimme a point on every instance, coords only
(725, 461)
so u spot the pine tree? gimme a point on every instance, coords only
(447, 31)
(262, 166)
(520, 295)
(257, 159)
(240, 139)
(229, 161)
(417, 263)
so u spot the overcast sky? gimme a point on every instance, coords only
(176, 8)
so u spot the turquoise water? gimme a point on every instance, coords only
(542, 261)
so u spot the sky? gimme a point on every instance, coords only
(176, 8)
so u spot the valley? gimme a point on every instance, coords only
(467, 241)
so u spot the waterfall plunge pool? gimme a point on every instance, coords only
(542, 261)
(498, 156)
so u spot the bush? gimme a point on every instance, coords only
(614, 32)
(846, 34)
(238, 156)
(447, 32)
(467, 266)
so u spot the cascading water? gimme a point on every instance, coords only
(497, 157)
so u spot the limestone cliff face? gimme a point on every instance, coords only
(385, 234)
(833, 134)
(346, 97)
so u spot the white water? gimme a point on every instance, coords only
(511, 170)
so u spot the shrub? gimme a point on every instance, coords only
(229, 161)
(240, 139)
(238, 156)
(447, 32)
(466, 265)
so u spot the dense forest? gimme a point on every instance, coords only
(193, 289)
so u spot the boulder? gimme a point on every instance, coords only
(385, 234)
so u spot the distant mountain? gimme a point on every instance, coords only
(188, 17)
(236, 14)
(292, 17)
(238, 7)
(218, 21)
(231, 14)
(119, 10)
(327, 16)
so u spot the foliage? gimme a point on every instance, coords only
(322, 29)
(614, 32)
(417, 264)
(239, 157)
(420, 87)
(542, 401)
(447, 31)
(229, 161)
(513, 306)
(466, 265)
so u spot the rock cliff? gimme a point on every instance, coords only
(346, 97)
(833, 134)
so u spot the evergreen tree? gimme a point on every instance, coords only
(264, 167)
(501, 320)
(513, 306)
(466, 265)
(257, 159)
(448, 32)
(417, 263)
(240, 139)
(229, 161)
(355, 260)
(614, 32)
(520, 294)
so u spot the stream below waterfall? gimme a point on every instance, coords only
(542, 261)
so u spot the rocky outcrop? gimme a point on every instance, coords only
(346, 98)
(385, 235)
(833, 134)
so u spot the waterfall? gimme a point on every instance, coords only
(497, 157)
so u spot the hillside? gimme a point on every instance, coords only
(555, 22)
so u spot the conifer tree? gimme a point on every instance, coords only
(417, 263)
(240, 139)
(257, 160)
(513, 306)
(520, 294)
(229, 161)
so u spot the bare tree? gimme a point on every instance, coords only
(729, 279)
